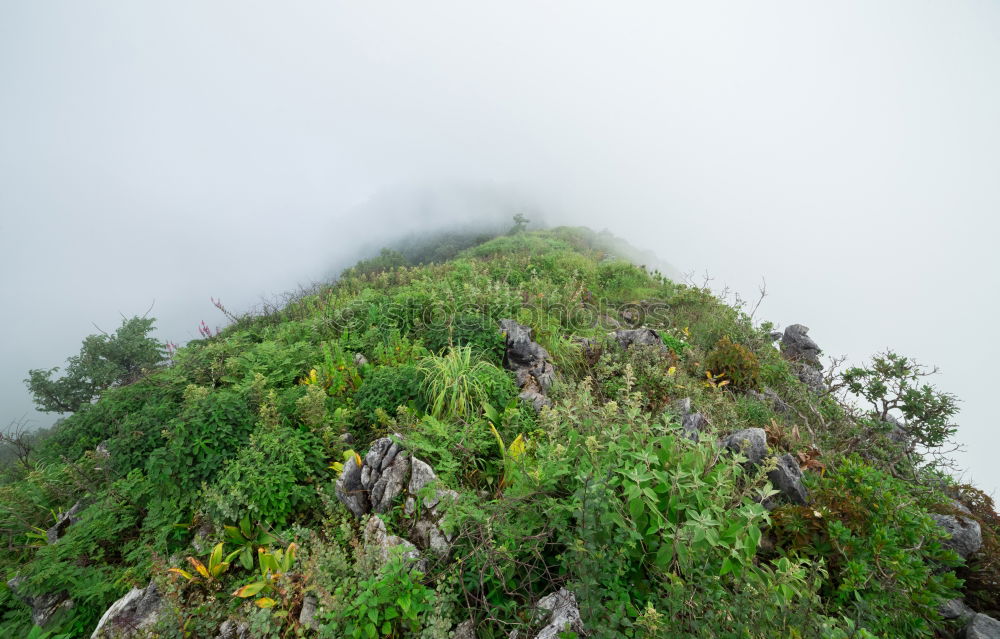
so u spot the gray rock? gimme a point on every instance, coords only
(811, 377)
(44, 607)
(529, 363)
(966, 536)
(350, 491)
(360, 360)
(234, 630)
(751, 442)
(139, 609)
(771, 398)
(102, 451)
(63, 521)
(564, 614)
(464, 630)
(787, 480)
(692, 423)
(982, 627)
(347, 438)
(796, 345)
(956, 609)
(384, 546)
(390, 483)
(308, 612)
(638, 336)
(421, 476)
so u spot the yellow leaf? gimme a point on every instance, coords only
(182, 573)
(265, 602)
(337, 466)
(672, 370)
(516, 447)
(200, 567)
(249, 590)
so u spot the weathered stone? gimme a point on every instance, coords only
(347, 438)
(390, 484)
(529, 362)
(638, 336)
(44, 607)
(464, 630)
(234, 630)
(64, 521)
(966, 536)
(564, 614)
(692, 423)
(360, 360)
(787, 480)
(771, 398)
(750, 442)
(796, 345)
(140, 608)
(421, 476)
(811, 377)
(982, 627)
(956, 609)
(308, 612)
(350, 491)
(384, 546)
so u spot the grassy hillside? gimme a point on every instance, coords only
(620, 489)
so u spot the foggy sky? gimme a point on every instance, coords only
(170, 152)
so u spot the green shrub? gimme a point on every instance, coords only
(649, 370)
(456, 385)
(478, 332)
(387, 388)
(884, 554)
(736, 363)
(270, 480)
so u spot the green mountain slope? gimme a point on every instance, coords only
(533, 438)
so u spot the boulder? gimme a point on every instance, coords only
(956, 609)
(982, 627)
(811, 377)
(797, 346)
(63, 521)
(383, 545)
(563, 615)
(966, 538)
(464, 630)
(44, 607)
(308, 612)
(139, 609)
(234, 630)
(529, 363)
(349, 490)
(787, 480)
(360, 360)
(692, 423)
(638, 336)
(751, 442)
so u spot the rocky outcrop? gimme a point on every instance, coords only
(384, 546)
(692, 423)
(982, 627)
(128, 617)
(797, 346)
(388, 472)
(787, 480)
(44, 607)
(750, 442)
(63, 521)
(234, 630)
(563, 615)
(529, 362)
(966, 537)
(956, 609)
(638, 337)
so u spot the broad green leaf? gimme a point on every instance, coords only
(249, 590)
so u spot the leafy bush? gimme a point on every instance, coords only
(882, 550)
(736, 363)
(386, 388)
(456, 385)
(649, 370)
(270, 480)
(393, 603)
(476, 331)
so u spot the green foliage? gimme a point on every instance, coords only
(887, 565)
(456, 385)
(386, 388)
(104, 361)
(393, 603)
(736, 363)
(893, 383)
(649, 370)
(479, 333)
(269, 480)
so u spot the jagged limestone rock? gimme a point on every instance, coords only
(751, 442)
(383, 545)
(233, 630)
(966, 536)
(64, 521)
(564, 614)
(44, 607)
(982, 627)
(692, 423)
(797, 346)
(956, 609)
(308, 612)
(349, 489)
(638, 336)
(787, 480)
(139, 609)
(529, 363)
